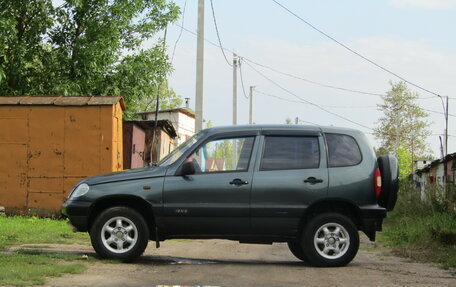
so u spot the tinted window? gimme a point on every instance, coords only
(343, 150)
(229, 154)
(282, 152)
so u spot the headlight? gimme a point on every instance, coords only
(80, 190)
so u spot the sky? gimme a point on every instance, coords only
(413, 38)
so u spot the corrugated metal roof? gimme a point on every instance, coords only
(62, 101)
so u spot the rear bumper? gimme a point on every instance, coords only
(372, 219)
(78, 214)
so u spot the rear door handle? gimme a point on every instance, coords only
(313, 180)
(238, 181)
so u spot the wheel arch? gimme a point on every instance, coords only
(134, 202)
(337, 205)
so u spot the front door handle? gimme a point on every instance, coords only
(313, 180)
(238, 181)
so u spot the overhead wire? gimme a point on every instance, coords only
(218, 35)
(328, 106)
(180, 33)
(302, 102)
(306, 101)
(242, 79)
(314, 82)
(355, 52)
(247, 61)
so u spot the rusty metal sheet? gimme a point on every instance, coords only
(82, 141)
(47, 201)
(45, 150)
(13, 112)
(13, 130)
(46, 141)
(46, 185)
(38, 100)
(106, 135)
(13, 177)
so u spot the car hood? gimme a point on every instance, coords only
(131, 174)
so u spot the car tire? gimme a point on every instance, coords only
(119, 233)
(389, 171)
(330, 240)
(296, 248)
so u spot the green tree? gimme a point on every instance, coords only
(90, 47)
(23, 24)
(403, 123)
(404, 158)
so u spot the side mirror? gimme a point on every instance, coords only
(187, 168)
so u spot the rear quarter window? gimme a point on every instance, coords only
(343, 150)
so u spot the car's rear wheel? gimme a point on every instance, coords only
(119, 233)
(296, 248)
(330, 240)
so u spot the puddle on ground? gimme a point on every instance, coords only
(177, 261)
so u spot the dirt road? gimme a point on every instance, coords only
(226, 263)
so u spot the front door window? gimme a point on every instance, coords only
(223, 155)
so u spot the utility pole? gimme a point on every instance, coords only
(235, 61)
(445, 160)
(251, 105)
(446, 127)
(199, 68)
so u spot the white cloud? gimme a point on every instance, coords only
(424, 4)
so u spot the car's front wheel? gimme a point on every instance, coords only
(330, 240)
(119, 233)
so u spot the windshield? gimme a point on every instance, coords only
(180, 150)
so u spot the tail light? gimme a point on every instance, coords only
(377, 182)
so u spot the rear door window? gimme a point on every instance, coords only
(290, 152)
(343, 150)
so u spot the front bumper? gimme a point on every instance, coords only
(78, 213)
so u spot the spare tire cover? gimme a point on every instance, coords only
(389, 170)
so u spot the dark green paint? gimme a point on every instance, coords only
(269, 207)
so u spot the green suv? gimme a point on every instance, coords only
(312, 187)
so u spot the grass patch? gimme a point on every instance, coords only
(24, 230)
(421, 231)
(25, 270)
(30, 265)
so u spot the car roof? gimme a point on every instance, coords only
(239, 128)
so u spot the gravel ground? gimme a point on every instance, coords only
(228, 263)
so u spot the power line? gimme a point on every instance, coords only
(302, 102)
(436, 112)
(242, 79)
(306, 101)
(327, 106)
(295, 76)
(353, 51)
(180, 33)
(247, 60)
(285, 73)
(314, 82)
(218, 35)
